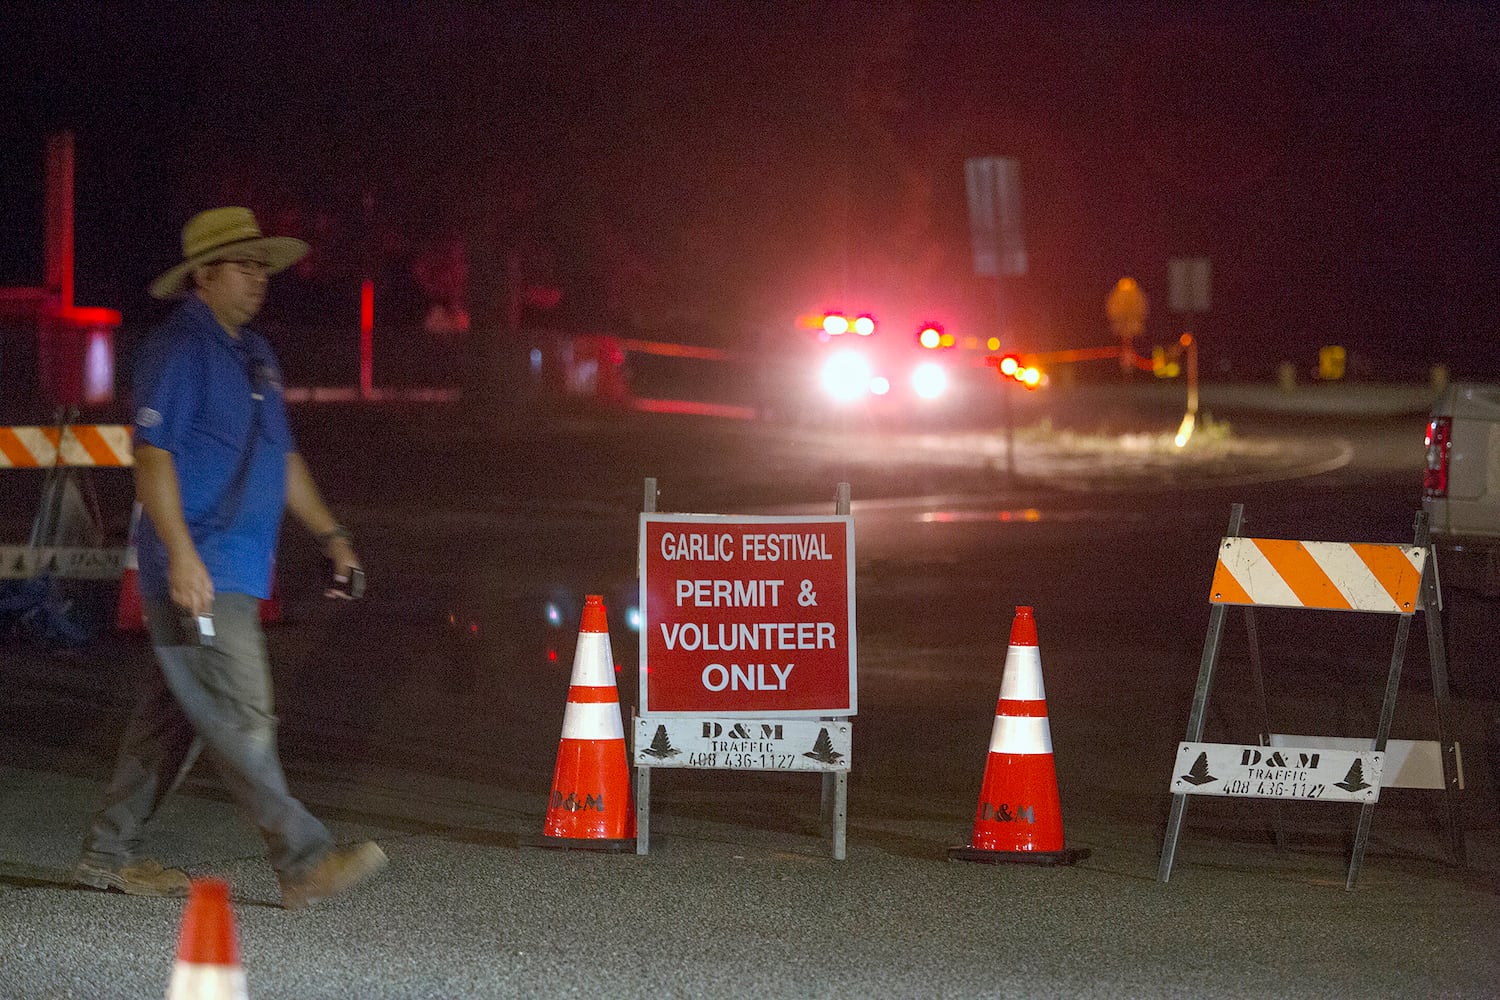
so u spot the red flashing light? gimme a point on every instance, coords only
(864, 325)
(931, 336)
(366, 337)
(85, 315)
(835, 324)
(1010, 366)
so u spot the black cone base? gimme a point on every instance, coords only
(1066, 856)
(576, 843)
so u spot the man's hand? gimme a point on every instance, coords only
(304, 501)
(156, 487)
(191, 587)
(341, 551)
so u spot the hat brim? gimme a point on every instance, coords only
(279, 253)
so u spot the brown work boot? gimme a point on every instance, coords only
(139, 878)
(343, 868)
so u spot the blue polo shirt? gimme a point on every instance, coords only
(195, 389)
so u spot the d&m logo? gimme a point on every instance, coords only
(571, 803)
(1250, 757)
(1002, 814)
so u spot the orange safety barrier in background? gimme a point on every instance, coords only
(72, 445)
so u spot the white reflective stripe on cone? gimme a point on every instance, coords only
(593, 665)
(1023, 675)
(191, 981)
(598, 720)
(1020, 734)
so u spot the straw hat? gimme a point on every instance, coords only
(227, 234)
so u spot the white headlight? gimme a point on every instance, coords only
(846, 375)
(929, 380)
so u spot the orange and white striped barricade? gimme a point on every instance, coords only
(62, 452)
(65, 535)
(1376, 578)
(68, 445)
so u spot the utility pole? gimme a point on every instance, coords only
(993, 185)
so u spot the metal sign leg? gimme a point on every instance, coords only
(643, 810)
(840, 814)
(842, 505)
(649, 497)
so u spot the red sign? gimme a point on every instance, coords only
(747, 616)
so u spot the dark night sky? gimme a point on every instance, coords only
(723, 171)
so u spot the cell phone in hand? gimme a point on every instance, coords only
(352, 586)
(200, 627)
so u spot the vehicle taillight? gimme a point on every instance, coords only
(1435, 478)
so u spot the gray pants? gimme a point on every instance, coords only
(218, 698)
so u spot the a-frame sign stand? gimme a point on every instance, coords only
(1328, 576)
(828, 736)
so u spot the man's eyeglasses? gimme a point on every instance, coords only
(250, 268)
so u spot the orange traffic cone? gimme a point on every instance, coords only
(208, 953)
(591, 805)
(1019, 818)
(130, 613)
(270, 608)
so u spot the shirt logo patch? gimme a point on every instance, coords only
(147, 417)
(267, 377)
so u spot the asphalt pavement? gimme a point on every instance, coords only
(739, 910)
(739, 896)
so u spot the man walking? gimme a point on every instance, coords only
(215, 467)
